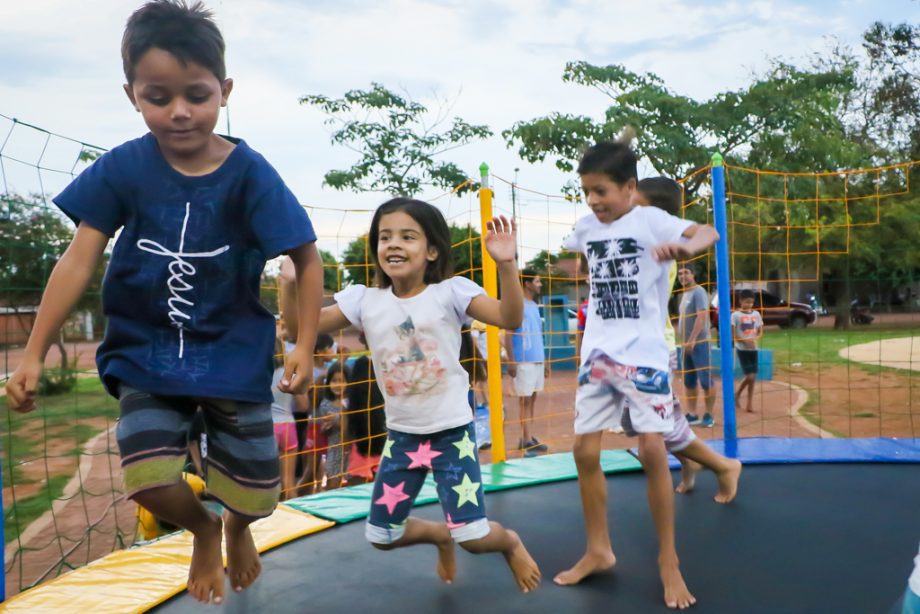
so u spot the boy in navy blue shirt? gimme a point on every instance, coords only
(199, 216)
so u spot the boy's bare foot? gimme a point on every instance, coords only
(676, 594)
(525, 570)
(728, 481)
(206, 573)
(243, 564)
(750, 409)
(447, 562)
(590, 563)
(688, 471)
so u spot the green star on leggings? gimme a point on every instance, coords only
(467, 491)
(466, 446)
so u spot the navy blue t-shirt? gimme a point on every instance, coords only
(181, 292)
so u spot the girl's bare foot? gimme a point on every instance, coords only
(447, 562)
(243, 564)
(688, 471)
(676, 594)
(525, 570)
(590, 563)
(206, 573)
(728, 481)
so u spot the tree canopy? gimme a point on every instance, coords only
(398, 141)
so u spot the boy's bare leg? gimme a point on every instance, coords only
(727, 470)
(709, 396)
(288, 461)
(750, 397)
(688, 471)
(525, 570)
(307, 483)
(178, 505)
(593, 487)
(420, 531)
(692, 395)
(654, 460)
(526, 406)
(243, 565)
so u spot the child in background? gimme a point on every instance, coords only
(747, 329)
(693, 454)
(311, 439)
(331, 417)
(283, 420)
(624, 356)
(366, 424)
(197, 215)
(412, 322)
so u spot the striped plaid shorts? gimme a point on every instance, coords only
(238, 448)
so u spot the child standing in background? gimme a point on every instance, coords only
(747, 329)
(331, 417)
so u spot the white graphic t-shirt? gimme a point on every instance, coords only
(629, 289)
(415, 347)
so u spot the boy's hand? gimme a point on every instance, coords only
(501, 239)
(671, 251)
(298, 371)
(22, 387)
(512, 369)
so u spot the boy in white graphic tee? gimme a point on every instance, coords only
(624, 355)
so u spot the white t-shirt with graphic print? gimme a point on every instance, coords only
(415, 348)
(629, 289)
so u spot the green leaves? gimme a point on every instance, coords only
(396, 145)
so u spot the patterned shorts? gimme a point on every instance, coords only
(453, 458)
(638, 399)
(238, 447)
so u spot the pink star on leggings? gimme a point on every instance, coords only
(392, 496)
(422, 456)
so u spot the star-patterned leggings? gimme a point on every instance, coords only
(452, 457)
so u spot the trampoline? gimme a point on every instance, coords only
(824, 537)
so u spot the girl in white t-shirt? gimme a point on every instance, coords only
(412, 321)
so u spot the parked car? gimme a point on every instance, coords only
(773, 310)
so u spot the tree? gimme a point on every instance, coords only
(33, 237)
(331, 271)
(786, 108)
(842, 111)
(398, 146)
(466, 253)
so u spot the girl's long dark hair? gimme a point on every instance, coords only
(436, 232)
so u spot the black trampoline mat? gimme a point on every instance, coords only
(799, 538)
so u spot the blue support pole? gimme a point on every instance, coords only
(723, 287)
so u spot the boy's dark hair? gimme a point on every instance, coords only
(436, 233)
(615, 160)
(745, 295)
(528, 274)
(662, 192)
(323, 341)
(336, 367)
(187, 32)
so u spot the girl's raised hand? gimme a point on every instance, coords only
(501, 239)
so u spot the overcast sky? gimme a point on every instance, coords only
(60, 69)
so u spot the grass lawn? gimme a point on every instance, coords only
(817, 346)
(60, 424)
(812, 348)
